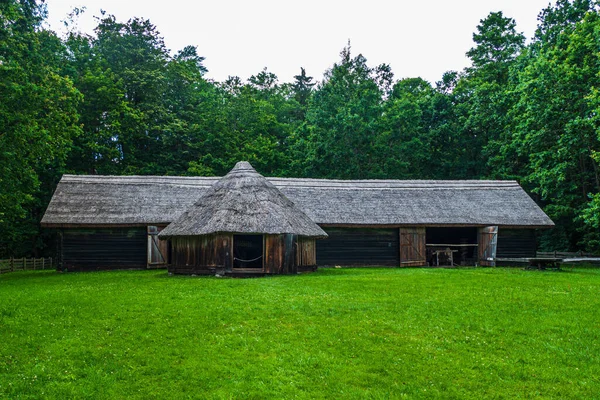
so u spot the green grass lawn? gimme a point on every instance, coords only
(336, 333)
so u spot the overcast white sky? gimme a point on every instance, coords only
(237, 37)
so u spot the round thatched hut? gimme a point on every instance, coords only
(242, 225)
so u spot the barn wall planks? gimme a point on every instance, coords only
(306, 252)
(359, 246)
(102, 248)
(283, 254)
(273, 254)
(516, 243)
(200, 254)
(289, 254)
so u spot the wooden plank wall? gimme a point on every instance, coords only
(413, 250)
(306, 253)
(289, 254)
(196, 254)
(202, 255)
(104, 248)
(274, 254)
(516, 243)
(359, 247)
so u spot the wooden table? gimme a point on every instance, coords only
(447, 252)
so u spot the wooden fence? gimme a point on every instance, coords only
(565, 254)
(25, 264)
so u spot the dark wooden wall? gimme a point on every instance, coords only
(516, 243)
(200, 254)
(406, 246)
(103, 248)
(360, 247)
(280, 257)
(126, 248)
(283, 254)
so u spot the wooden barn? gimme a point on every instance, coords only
(114, 222)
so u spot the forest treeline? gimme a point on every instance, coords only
(119, 102)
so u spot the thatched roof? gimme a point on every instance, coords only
(92, 200)
(243, 201)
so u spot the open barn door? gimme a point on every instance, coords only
(488, 243)
(157, 249)
(412, 247)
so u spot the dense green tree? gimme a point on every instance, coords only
(38, 119)
(554, 20)
(402, 147)
(190, 137)
(121, 72)
(483, 94)
(497, 44)
(556, 130)
(302, 86)
(342, 123)
(302, 89)
(259, 118)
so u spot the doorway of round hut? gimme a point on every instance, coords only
(248, 251)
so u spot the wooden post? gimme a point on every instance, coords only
(24, 264)
(289, 258)
(12, 268)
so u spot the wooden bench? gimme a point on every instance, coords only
(543, 263)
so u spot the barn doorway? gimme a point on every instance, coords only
(248, 251)
(451, 246)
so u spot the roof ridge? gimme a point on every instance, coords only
(405, 183)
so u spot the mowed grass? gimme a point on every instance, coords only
(336, 333)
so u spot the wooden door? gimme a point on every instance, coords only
(412, 247)
(157, 249)
(224, 245)
(487, 245)
(306, 255)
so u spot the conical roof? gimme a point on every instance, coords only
(243, 201)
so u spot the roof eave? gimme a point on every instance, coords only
(429, 225)
(105, 225)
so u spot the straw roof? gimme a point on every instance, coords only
(243, 201)
(93, 200)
